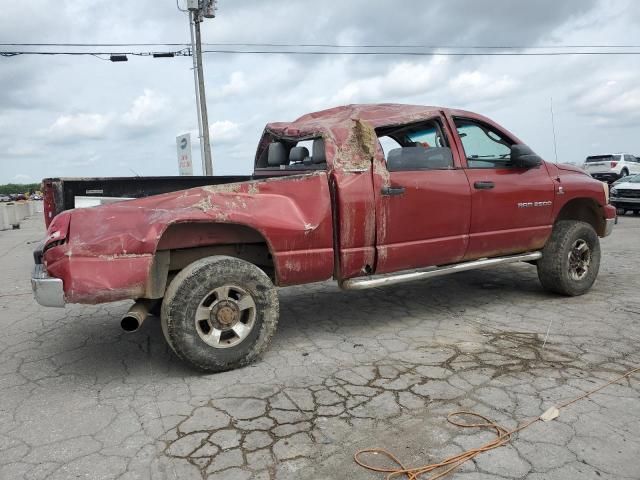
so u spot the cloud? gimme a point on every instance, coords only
(224, 131)
(147, 110)
(236, 85)
(614, 101)
(477, 86)
(402, 80)
(21, 150)
(88, 125)
(22, 178)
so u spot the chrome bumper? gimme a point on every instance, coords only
(47, 290)
(610, 222)
(615, 200)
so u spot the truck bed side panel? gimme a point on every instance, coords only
(111, 248)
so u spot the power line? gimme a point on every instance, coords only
(187, 52)
(321, 45)
(423, 54)
(178, 53)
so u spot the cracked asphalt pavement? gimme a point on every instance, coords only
(346, 370)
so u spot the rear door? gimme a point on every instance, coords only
(511, 208)
(423, 209)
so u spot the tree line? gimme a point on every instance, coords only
(9, 188)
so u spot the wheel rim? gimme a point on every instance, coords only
(225, 316)
(579, 260)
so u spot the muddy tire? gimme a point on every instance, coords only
(219, 313)
(570, 259)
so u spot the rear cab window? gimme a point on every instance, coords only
(289, 156)
(422, 146)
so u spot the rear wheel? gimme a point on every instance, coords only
(571, 259)
(219, 313)
(624, 173)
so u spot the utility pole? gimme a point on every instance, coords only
(198, 10)
(195, 80)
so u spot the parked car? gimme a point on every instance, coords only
(453, 191)
(5, 198)
(612, 167)
(625, 195)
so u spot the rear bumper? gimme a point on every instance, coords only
(610, 219)
(47, 291)
(609, 224)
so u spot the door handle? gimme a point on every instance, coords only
(487, 185)
(393, 191)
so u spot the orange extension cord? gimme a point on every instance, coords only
(449, 464)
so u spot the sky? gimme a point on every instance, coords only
(84, 116)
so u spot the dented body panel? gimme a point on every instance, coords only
(314, 225)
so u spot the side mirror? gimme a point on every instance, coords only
(523, 157)
(419, 158)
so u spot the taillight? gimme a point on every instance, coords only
(613, 164)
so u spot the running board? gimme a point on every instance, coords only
(362, 283)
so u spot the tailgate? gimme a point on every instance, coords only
(600, 163)
(598, 167)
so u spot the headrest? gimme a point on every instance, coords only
(277, 155)
(298, 154)
(318, 151)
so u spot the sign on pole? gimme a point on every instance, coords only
(185, 165)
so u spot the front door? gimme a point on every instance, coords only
(423, 206)
(511, 208)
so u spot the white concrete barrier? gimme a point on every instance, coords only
(22, 210)
(4, 218)
(10, 214)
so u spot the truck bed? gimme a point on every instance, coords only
(60, 193)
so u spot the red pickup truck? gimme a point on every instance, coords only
(367, 195)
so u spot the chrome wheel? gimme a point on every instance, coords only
(225, 316)
(579, 260)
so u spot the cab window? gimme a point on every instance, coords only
(288, 154)
(484, 146)
(421, 146)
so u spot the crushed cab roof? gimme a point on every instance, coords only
(378, 115)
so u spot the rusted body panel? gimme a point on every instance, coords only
(320, 224)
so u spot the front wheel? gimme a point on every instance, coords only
(571, 259)
(219, 313)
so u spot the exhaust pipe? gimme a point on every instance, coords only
(139, 311)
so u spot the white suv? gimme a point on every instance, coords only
(612, 167)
